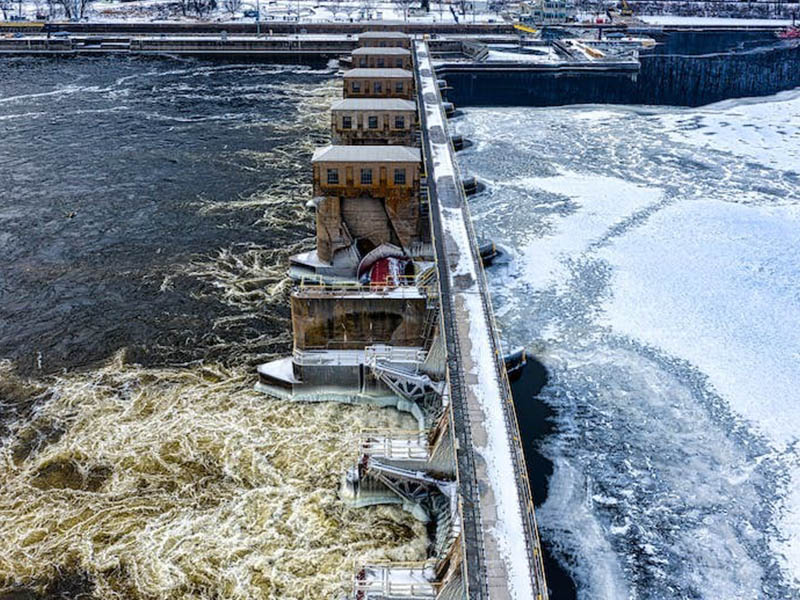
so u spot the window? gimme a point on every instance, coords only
(399, 63)
(347, 122)
(372, 122)
(355, 86)
(363, 61)
(333, 176)
(383, 44)
(378, 87)
(381, 63)
(399, 122)
(398, 87)
(399, 176)
(366, 176)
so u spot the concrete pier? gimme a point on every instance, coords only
(392, 309)
(496, 496)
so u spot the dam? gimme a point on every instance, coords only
(392, 309)
(604, 454)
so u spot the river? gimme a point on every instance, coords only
(653, 269)
(147, 209)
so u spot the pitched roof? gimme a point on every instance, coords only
(374, 104)
(366, 154)
(382, 51)
(372, 73)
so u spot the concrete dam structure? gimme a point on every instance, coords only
(391, 308)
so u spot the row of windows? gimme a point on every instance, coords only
(381, 62)
(366, 176)
(377, 87)
(372, 122)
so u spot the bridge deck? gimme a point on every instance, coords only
(503, 557)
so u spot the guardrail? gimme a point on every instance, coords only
(393, 444)
(364, 587)
(474, 553)
(520, 468)
(407, 287)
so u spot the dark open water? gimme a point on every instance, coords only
(114, 177)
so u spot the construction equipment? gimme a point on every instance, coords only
(623, 9)
(524, 28)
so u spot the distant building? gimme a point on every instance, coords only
(384, 39)
(366, 196)
(379, 83)
(374, 121)
(379, 58)
(546, 12)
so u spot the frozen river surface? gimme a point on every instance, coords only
(655, 272)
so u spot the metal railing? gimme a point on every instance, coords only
(385, 586)
(396, 354)
(394, 444)
(474, 553)
(407, 287)
(509, 413)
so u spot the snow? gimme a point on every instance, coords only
(692, 303)
(702, 268)
(311, 11)
(675, 20)
(506, 53)
(279, 369)
(724, 297)
(764, 132)
(599, 201)
(510, 531)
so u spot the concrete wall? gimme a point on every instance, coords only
(686, 69)
(365, 87)
(386, 132)
(381, 61)
(328, 321)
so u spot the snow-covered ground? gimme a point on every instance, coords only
(674, 20)
(311, 11)
(341, 11)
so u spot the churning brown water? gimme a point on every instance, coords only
(137, 461)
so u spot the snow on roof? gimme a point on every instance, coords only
(366, 154)
(386, 104)
(382, 51)
(372, 73)
(395, 35)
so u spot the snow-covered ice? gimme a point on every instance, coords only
(658, 279)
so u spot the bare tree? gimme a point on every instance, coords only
(202, 7)
(6, 7)
(75, 10)
(349, 9)
(232, 6)
(404, 5)
(366, 7)
(335, 7)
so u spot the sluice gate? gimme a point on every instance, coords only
(392, 308)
